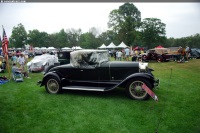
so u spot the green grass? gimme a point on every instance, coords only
(28, 108)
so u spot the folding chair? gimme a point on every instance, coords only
(18, 77)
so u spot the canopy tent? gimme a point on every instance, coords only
(51, 48)
(122, 45)
(76, 48)
(36, 48)
(159, 46)
(111, 45)
(102, 46)
(43, 48)
(66, 48)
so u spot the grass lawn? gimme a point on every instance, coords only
(28, 108)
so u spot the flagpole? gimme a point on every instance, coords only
(6, 56)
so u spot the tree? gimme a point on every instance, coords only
(61, 39)
(37, 38)
(33, 37)
(125, 21)
(153, 32)
(73, 36)
(104, 38)
(89, 41)
(19, 36)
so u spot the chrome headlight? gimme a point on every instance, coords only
(143, 67)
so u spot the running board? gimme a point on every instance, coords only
(85, 88)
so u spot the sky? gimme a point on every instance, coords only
(181, 19)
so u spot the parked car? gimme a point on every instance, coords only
(195, 53)
(91, 70)
(39, 63)
(157, 54)
(64, 57)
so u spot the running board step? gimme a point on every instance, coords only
(86, 88)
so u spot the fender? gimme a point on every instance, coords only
(139, 75)
(47, 75)
(136, 75)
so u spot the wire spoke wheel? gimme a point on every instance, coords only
(135, 91)
(52, 85)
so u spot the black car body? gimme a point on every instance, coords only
(91, 70)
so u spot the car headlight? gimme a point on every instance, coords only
(143, 66)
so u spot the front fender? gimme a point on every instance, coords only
(147, 76)
(47, 75)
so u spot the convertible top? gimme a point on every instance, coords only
(88, 58)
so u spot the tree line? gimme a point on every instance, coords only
(124, 24)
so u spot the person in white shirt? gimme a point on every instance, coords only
(21, 61)
(119, 55)
(127, 53)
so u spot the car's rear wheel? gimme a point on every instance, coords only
(52, 85)
(135, 91)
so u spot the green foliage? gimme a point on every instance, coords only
(125, 25)
(73, 37)
(19, 36)
(124, 22)
(153, 32)
(28, 108)
(88, 40)
(191, 41)
(38, 39)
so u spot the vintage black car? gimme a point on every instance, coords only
(91, 70)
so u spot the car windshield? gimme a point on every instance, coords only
(88, 58)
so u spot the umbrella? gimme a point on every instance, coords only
(159, 46)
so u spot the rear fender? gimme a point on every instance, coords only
(47, 75)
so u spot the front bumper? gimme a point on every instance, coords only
(156, 83)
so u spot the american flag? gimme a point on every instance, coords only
(5, 43)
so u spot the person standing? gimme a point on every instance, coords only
(187, 50)
(127, 53)
(14, 58)
(21, 61)
(119, 55)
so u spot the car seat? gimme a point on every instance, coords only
(18, 77)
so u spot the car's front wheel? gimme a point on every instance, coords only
(160, 59)
(52, 85)
(135, 91)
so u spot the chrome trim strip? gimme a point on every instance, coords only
(84, 88)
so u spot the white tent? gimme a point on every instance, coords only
(76, 48)
(122, 45)
(43, 48)
(111, 45)
(36, 48)
(102, 46)
(51, 48)
(66, 48)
